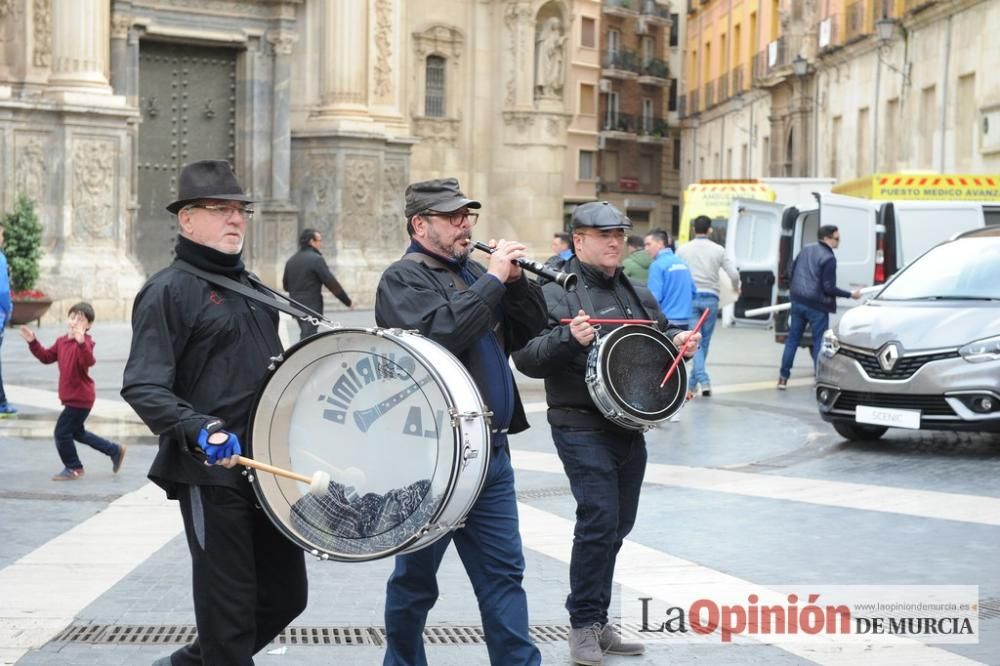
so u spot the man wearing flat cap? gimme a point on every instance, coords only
(605, 463)
(199, 354)
(480, 314)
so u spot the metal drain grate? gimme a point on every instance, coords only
(989, 609)
(542, 493)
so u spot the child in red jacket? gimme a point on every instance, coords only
(75, 354)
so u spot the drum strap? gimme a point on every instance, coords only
(293, 307)
(434, 262)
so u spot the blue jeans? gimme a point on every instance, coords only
(703, 301)
(605, 472)
(818, 321)
(69, 427)
(490, 548)
(3, 325)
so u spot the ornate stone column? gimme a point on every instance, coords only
(281, 126)
(344, 59)
(518, 16)
(80, 45)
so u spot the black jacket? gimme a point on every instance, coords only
(412, 295)
(814, 278)
(305, 275)
(198, 352)
(555, 354)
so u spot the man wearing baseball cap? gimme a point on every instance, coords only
(199, 354)
(480, 314)
(605, 462)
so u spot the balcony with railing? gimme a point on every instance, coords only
(855, 23)
(654, 72)
(656, 13)
(652, 129)
(722, 88)
(620, 64)
(709, 92)
(615, 125)
(737, 75)
(775, 61)
(625, 8)
(828, 34)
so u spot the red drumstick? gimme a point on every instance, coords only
(612, 321)
(683, 350)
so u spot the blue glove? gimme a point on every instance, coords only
(216, 452)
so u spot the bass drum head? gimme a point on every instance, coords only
(371, 409)
(632, 361)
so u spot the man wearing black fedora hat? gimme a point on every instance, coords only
(479, 314)
(199, 354)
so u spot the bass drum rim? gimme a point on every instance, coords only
(607, 397)
(431, 531)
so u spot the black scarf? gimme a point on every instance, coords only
(207, 259)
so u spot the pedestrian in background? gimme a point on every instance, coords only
(306, 273)
(636, 264)
(199, 355)
(74, 352)
(6, 309)
(562, 249)
(705, 258)
(813, 294)
(669, 279)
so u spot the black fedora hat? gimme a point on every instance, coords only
(207, 179)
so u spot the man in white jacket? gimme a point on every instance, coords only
(705, 257)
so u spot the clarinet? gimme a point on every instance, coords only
(565, 280)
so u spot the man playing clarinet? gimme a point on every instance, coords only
(479, 314)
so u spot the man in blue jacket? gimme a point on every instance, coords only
(669, 279)
(814, 295)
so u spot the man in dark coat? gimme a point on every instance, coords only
(305, 275)
(605, 463)
(199, 354)
(479, 315)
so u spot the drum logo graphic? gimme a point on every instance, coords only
(381, 383)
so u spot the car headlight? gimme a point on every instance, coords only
(980, 351)
(831, 345)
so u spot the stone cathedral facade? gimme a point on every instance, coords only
(326, 108)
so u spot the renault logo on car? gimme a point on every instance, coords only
(888, 355)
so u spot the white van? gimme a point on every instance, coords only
(877, 238)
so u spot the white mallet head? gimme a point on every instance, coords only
(320, 484)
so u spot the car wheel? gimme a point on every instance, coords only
(854, 431)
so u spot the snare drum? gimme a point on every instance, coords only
(624, 371)
(397, 423)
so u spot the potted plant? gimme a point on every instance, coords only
(22, 246)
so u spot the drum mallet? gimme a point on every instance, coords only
(319, 483)
(683, 350)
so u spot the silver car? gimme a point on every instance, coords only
(925, 352)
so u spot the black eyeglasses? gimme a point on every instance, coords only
(225, 212)
(456, 219)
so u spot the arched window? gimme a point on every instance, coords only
(434, 96)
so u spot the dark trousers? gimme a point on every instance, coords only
(306, 329)
(818, 321)
(490, 548)
(69, 429)
(249, 581)
(605, 472)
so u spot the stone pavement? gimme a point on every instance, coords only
(104, 558)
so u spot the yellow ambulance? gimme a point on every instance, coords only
(714, 198)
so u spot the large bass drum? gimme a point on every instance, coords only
(624, 370)
(397, 423)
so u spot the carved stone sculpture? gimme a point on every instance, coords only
(549, 48)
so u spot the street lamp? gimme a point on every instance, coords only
(885, 27)
(800, 66)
